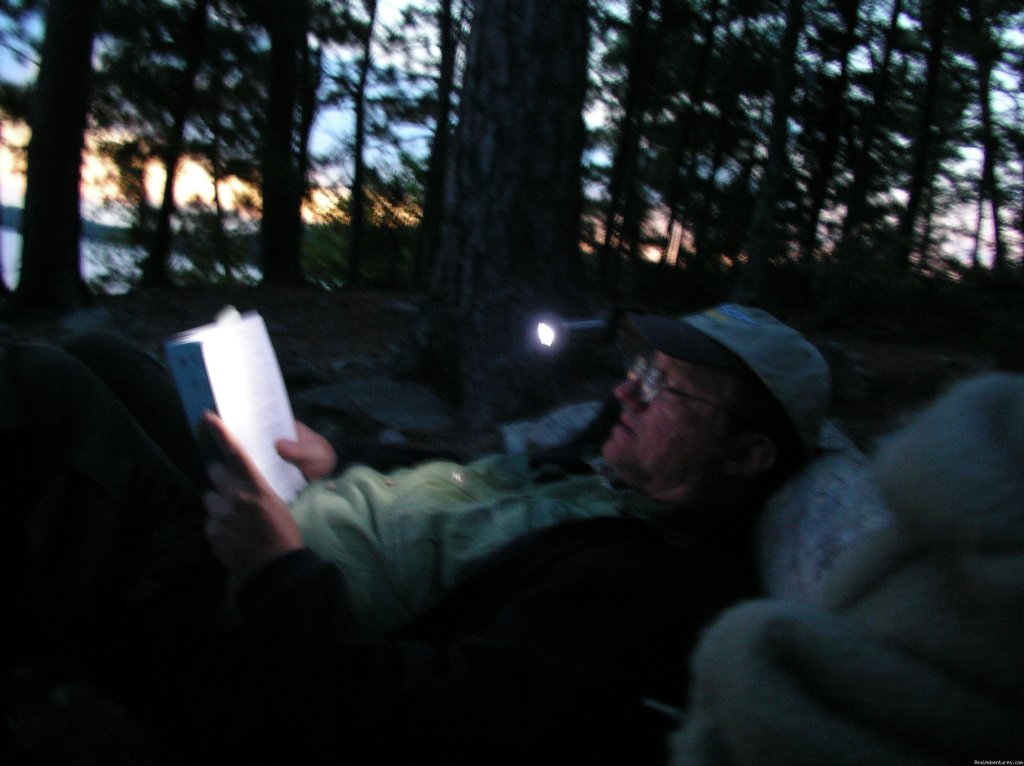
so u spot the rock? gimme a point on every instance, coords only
(389, 403)
(87, 320)
(389, 437)
(301, 373)
(555, 429)
(849, 383)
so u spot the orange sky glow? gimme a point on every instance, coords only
(100, 185)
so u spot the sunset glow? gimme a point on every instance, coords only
(12, 163)
(102, 188)
(193, 184)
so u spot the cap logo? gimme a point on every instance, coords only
(729, 311)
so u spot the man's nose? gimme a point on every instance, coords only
(628, 392)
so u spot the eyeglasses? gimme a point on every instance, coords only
(651, 381)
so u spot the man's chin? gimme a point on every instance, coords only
(616, 450)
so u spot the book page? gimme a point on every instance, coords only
(249, 393)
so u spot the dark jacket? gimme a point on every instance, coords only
(563, 647)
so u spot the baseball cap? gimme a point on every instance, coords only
(732, 336)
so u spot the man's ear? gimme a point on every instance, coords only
(749, 455)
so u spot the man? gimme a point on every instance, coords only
(561, 645)
(405, 537)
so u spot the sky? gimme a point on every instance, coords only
(12, 183)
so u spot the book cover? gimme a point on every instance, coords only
(230, 367)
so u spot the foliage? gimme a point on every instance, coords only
(859, 100)
(904, 162)
(215, 248)
(390, 231)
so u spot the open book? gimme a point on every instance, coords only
(230, 367)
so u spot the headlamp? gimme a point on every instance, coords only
(555, 332)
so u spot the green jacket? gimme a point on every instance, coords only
(404, 538)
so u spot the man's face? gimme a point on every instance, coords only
(668, 447)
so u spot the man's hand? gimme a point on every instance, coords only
(248, 525)
(311, 453)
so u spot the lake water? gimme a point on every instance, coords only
(10, 242)
(112, 268)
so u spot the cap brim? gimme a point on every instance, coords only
(682, 340)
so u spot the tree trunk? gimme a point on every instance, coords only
(312, 63)
(222, 243)
(510, 237)
(923, 142)
(762, 242)
(862, 168)
(357, 197)
(283, 178)
(834, 116)
(985, 50)
(428, 235)
(4, 289)
(683, 180)
(50, 263)
(155, 268)
(621, 213)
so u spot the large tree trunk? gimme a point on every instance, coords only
(51, 227)
(510, 237)
(283, 177)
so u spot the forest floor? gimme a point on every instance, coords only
(886, 369)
